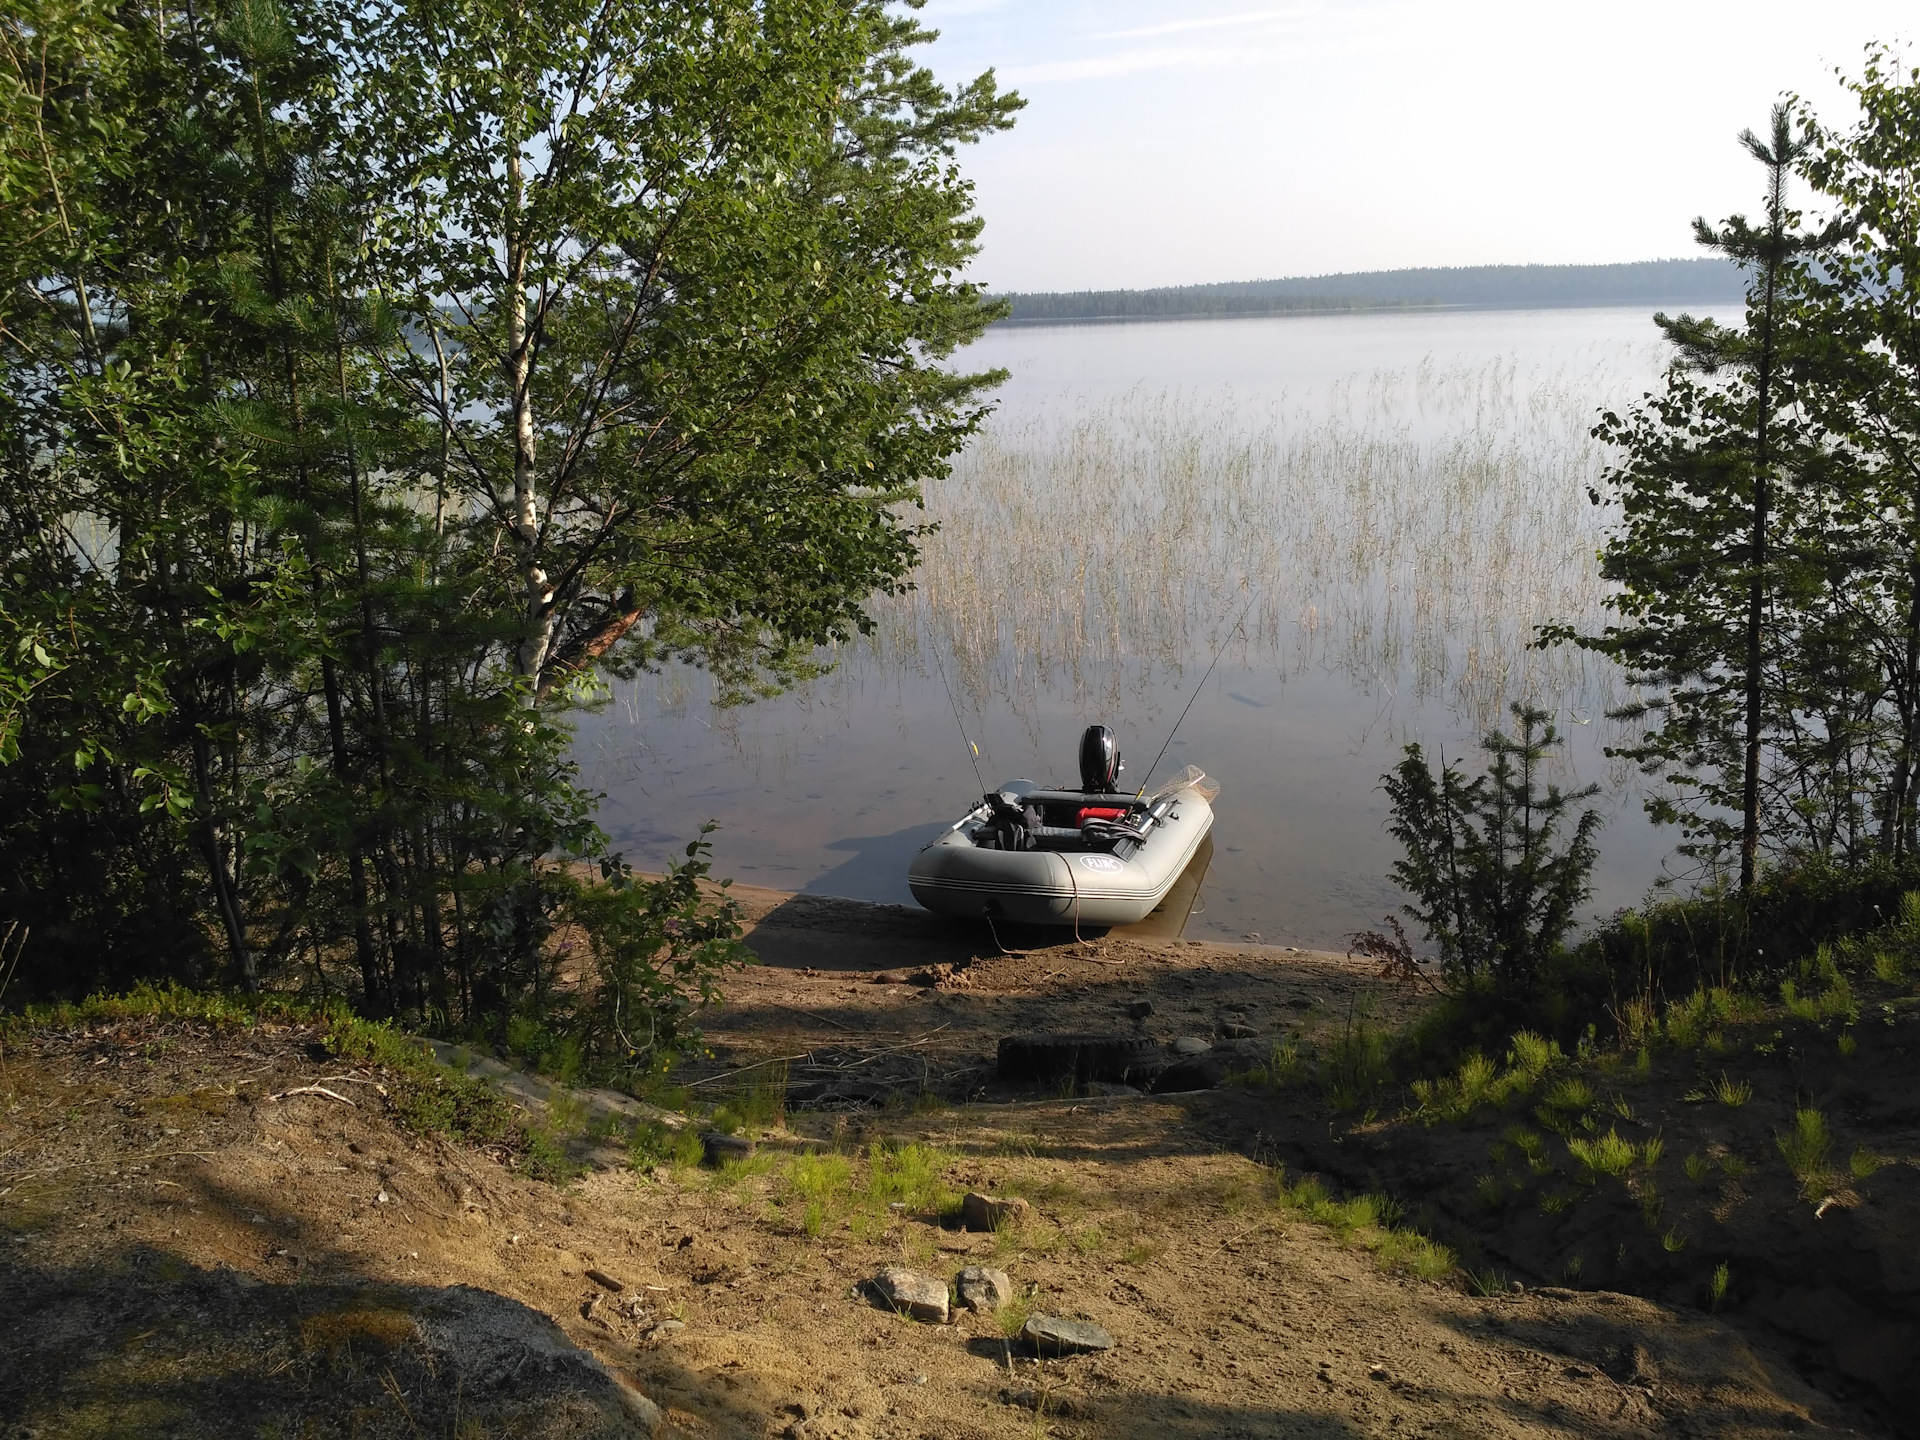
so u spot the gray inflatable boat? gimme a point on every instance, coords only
(1093, 856)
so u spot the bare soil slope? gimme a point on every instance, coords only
(184, 1254)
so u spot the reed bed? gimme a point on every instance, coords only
(1409, 531)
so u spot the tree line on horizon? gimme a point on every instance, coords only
(1650, 282)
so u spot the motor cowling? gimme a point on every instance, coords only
(1099, 760)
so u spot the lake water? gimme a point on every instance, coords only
(1361, 516)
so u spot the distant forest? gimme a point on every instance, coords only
(1642, 282)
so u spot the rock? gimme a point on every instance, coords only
(1185, 1045)
(889, 977)
(986, 1212)
(717, 1149)
(911, 1293)
(1239, 1030)
(666, 1329)
(1051, 1336)
(1140, 1009)
(1206, 1070)
(982, 1290)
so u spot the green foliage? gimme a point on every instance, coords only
(370, 389)
(427, 1097)
(1605, 1155)
(1356, 1066)
(654, 1144)
(1286, 1068)
(1455, 1097)
(1716, 470)
(1490, 884)
(658, 950)
(1370, 1221)
(912, 1175)
(1717, 1287)
(1805, 1148)
(1734, 1093)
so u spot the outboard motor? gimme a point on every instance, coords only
(1099, 761)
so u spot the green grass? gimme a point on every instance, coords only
(824, 1191)
(1732, 1093)
(653, 1144)
(1607, 1154)
(1356, 1068)
(1805, 1148)
(1369, 1221)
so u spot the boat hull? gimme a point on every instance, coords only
(953, 876)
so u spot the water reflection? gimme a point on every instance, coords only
(1389, 534)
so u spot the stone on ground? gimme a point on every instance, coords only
(911, 1293)
(983, 1290)
(717, 1149)
(1051, 1336)
(986, 1212)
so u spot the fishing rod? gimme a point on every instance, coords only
(1218, 651)
(973, 750)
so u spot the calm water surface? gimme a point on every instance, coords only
(1306, 452)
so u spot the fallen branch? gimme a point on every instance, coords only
(729, 1074)
(316, 1090)
(824, 1019)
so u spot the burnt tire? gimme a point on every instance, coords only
(1124, 1059)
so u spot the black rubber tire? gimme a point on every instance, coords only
(1123, 1059)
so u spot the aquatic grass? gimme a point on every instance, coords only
(1422, 519)
(1418, 522)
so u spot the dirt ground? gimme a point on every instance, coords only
(182, 1253)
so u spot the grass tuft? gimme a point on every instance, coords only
(1607, 1154)
(1804, 1148)
(1371, 1222)
(1732, 1093)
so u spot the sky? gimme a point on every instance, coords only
(1169, 143)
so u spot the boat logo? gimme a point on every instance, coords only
(1103, 862)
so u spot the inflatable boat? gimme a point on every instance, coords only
(1093, 856)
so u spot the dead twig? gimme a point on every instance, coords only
(1398, 963)
(729, 1074)
(823, 1019)
(316, 1090)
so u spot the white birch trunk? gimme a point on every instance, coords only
(531, 656)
